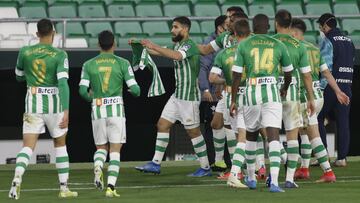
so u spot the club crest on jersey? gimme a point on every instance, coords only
(185, 47)
(33, 90)
(98, 102)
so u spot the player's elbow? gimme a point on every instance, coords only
(212, 78)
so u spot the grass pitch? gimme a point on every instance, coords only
(40, 184)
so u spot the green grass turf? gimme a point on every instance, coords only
(40, 184)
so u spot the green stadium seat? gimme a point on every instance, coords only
(93, 42)
(63, 10)
(33, 10)
(124, 28)
(206, 9)
(317, 7)
(355, 37)
(227, 4)
(207, 27)
(14, 4)
(195, 27)
(94, 28)
(158, 27)
(198, 38)
(311, 36)
(350, 25)
(119, 9)
(71, 28)
(346, 7)
(272, 25)
(266, 8)
(92, 10)
(294, 7)
(173, 9)
(145, 9)
(122, 43)
(162, 40)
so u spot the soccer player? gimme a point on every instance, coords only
(225, 39)
(291, 103)
(259, 56)
(183, 105)
(45, 71)
(317, 64)
(105, 74)
(222, 65)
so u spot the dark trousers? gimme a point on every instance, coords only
(207, 110)
(342, 119)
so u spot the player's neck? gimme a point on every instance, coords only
(284, 31)
(46, 40)
(107, 52)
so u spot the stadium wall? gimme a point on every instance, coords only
(141, 113)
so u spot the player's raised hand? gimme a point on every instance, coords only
(65, 120)
(343, 98)
(233, 109)
(131, 40)
(147, 43)
(311, 107)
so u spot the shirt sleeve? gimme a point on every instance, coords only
(304, 65)
(188, 49)
(239, 60)
(129, 75)
(19, 69)
(323, 65)
(63, 66)
(217, 43)
(85, 78)
(285, 61)
(217, 65)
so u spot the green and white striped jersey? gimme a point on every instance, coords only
(260, 55)
(105, 75)
(187, 71)
(42, 66)
(317, 64)
(299, 59)
(224, 40)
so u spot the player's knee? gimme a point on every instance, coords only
(216, 125)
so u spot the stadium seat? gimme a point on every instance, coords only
(206, 9)
(93, 42)
(33, 10)
(197, 38)
(63, 10)
(207, 27)
(195, 27)
(294, 7)
(158, 27)
(122, 43)
(162, 40)
(311, 36)
(145, 9)
(8, 12)
(309, 25)
(12, 44)
(227, 4)
(71, 28)
(355, 37)
(32, 29)
(92, 10)
(121, 9)
(266, 7)
(317, 7)
(13, 4)
(350, 25)
(173, 9)
(94, 28)
(26, 38)
(76, 43)
(7, 29)
(346, 7)
(124, 28)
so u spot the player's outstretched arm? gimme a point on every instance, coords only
(168, 53)
(205, 49)
(341, 96)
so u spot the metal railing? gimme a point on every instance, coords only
(142, 19)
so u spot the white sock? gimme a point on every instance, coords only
(274, 157)
(250, 154)
(62, 164)
(238, 158)
(231, 141)
(200, 150)
(162, 141)
(114, 166)
(100, 158)
(293, 157)
(219, 143)
(22, 161)
(305, 151)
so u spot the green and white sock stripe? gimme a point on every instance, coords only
(231, 141)
(305, 149)
(22, 160)
(293, 157)
(219, 143)
(42, 103)
(260, 94)
(274, 157)
(162, 141)
(250, 154)
(62, 164)
(320, 153)
(113, 169)
(260, 158)
(105, 111)
(238, 158)
(100, 157)
(200, 150)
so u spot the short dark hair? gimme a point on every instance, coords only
(236, 9)
(298, 24)
(106, 40)
(261, 23)
(183, 20)
(239, 15)
(219, 21)
(283, 18)
(242, 28)
(328, 19)
(44, 27)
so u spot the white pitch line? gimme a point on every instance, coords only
(160, 186)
